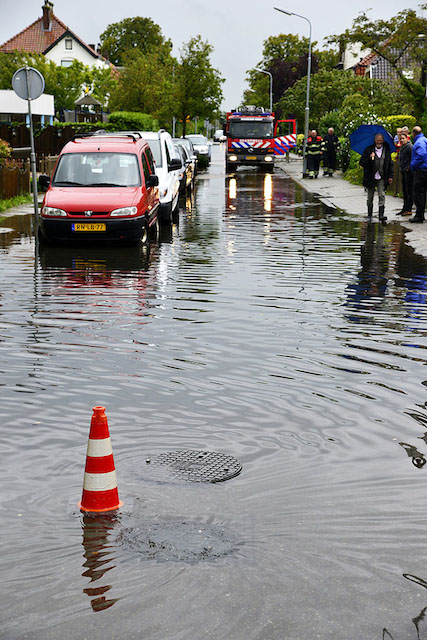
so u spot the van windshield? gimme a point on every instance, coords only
(99, 169)
(251, 129)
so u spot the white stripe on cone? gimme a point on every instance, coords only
(100, 481)
(99, 448)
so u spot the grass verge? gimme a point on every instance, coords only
(7, 203)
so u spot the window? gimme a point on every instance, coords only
(150, 160)
(66, 63)
(156, 151)
(97, 169)
(68, 43)
(145, 167)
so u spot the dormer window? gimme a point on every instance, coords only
(66, 63)
(68, 43)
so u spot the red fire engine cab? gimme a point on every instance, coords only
(250, 138)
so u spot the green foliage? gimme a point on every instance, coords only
(132, 121)
(328, 90)
(330, 119)
(145, 84)
(5, 149)
(285, 46)
(199, 91)
(357, 109)
(343, 154)
(64, 83)
(393, 122)
(354, 172)
(133, 34)
(8, 203)
(392, 39)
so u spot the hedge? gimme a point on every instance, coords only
(393, 122)
(129, 120)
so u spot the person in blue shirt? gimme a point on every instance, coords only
(419, 167)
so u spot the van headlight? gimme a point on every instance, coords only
(53, 211)
(268, 158)
(124, 211)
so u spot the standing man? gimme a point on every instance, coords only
(377, 173)
(330, 146)
(314, 154)
(405, 155)
(419, 167)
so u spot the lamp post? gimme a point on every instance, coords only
(271, 85)
(307, 108)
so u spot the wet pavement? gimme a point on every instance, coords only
(265, 326)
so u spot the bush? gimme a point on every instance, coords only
(300, 143)
(393, 122)
(330, 119)
(5, 149)
(343, 155)
(354, 173)
(129, 120)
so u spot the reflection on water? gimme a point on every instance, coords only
(98, 554)
(263, 326)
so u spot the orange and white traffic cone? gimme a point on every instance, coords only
(100, 483)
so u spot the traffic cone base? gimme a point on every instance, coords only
(100, 492)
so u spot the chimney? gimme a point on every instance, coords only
(47, 8)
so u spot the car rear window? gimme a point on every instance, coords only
(99, 169)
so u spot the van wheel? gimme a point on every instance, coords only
(175, 214)
(153, 233)
(144, 234)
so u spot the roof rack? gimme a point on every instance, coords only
(114, 134)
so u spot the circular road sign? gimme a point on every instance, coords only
(31, 88)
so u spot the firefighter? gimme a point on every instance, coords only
(314, 154)
(330, 146)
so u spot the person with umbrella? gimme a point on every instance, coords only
(377, 173)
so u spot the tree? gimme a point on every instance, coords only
(198, 91)
(145, 84)
(64, 83)
(284, 56)
(405, 33)
(328, 89)
(130, 34)
(104, 82)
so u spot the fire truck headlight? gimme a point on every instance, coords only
(232, 158)
(268, 158)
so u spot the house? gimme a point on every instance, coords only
(14, 109)
(52, 38)
(372, 65)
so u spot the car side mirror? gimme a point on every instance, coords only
(152, 180)
(175, 163)
(44, 182)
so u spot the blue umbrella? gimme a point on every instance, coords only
(365, 136)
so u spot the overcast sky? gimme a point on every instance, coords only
(235, 29)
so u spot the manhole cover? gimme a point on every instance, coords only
(194, 466)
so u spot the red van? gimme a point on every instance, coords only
(104, 188)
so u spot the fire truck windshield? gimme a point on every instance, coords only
(251, 129)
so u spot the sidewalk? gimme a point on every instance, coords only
(338, 193)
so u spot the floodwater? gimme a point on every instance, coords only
(265, 327)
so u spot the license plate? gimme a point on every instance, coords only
(250, 157)
(88, 226)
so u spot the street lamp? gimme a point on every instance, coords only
(271, 86)
(307, 108)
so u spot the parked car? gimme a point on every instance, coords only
(186, 176)
(104, 188)
(219, 136)
(168, 165)
(202, 148)
(185, 142)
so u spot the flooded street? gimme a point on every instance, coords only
(265, 327)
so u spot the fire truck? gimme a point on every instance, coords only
(251, 138)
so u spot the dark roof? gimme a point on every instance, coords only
(86, 100)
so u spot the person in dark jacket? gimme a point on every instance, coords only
(405, 155)
(377, 173)
(330, 146)
(314, 154)
(419, 167)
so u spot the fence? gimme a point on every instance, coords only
(15, 179)
(46, 164)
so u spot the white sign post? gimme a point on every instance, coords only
(28, 84)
